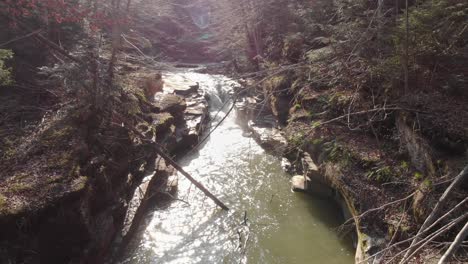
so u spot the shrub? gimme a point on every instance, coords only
(5, 72)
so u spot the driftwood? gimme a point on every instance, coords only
(420, 234)
(435, 212)
(429, 238)
(455, 244)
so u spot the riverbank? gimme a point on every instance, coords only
(383, 180)
(266, 223)
(66, 189)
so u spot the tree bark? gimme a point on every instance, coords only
(435, 212)
(407, 49)
(455, 245)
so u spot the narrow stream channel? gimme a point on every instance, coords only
(267, 223)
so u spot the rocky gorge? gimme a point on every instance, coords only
(357, 106)
(93, 205)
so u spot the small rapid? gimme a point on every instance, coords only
(266, 223)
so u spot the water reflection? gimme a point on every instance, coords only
(267, 223)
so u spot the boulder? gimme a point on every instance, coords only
(417, 147)
(173, 104)
(271, 139)
(316, 55)
(187, 90)
(162, 122)
(280, 107)
(279, 88)
(299, 183)
(286, 165)
(310, 168)
(194, 122)
(292, 48)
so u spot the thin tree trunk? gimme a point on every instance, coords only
(435, 212)
(116, 34)
(406, 49)
(455, 245)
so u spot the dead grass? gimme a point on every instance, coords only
(41, 168)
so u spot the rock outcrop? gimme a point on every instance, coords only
(269, 138)
(87, 204)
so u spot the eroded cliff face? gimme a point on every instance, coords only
(361, 168)
(75, 178)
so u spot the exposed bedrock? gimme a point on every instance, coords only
(81, 221)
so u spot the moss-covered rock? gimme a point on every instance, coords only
(321, 54)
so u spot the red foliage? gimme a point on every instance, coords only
(60, 11)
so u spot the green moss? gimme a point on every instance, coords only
(55, 179)
(75, 171)
(317, 141)
(165, 118)
(297, 139)
(418, 176)
(315, 124)
(404, 165)
(276, 83)
(53, 136)
(3, 203)
(339, 100)
(5, 72)
(380, 174)
(132, 107)
(140, 94)
(9, 148)
(60, 160)
(427, 184)
(317, 55)
(79, 183)
(19, 187)
(337, 153)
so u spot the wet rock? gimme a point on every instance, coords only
(145, 129)
(188, 90)
(271, 139)
(370, 245)
(299, 183)
(172, 184)
(195, 120)
(247, 109)
(310, 168)
(162, 121)
(173, 104)
(286, 165)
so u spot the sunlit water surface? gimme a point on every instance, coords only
(267, 222)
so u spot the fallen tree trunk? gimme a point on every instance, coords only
(174, 164)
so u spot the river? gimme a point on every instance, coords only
(267, 222)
